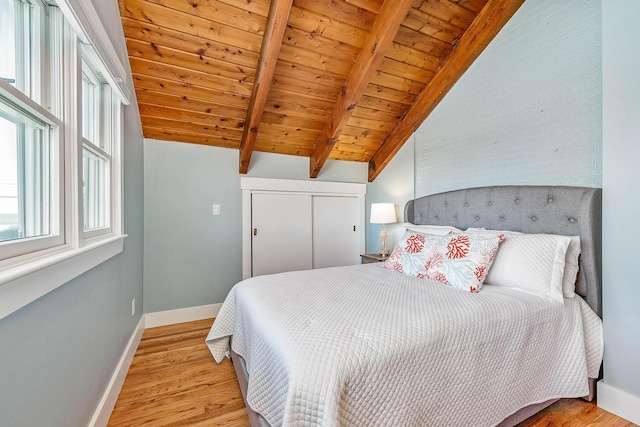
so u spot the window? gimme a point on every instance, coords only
(30, 143)
(98, 130)
(61, 91)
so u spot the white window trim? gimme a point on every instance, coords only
(27, 282)
(31, 276)
(87, 24)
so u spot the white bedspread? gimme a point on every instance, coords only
(367, 346)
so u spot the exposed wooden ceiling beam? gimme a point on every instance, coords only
(484, 28)
(383, 31)
(271, 43)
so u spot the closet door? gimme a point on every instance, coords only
(281, 233)
(335, 235)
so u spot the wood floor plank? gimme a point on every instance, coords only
(575, 413)
(191, 406)
(173, 381)
(178, 328)
(172, 346)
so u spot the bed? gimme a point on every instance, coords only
(366, 345)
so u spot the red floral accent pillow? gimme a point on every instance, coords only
(410, 254)
(461, 260)
(414, 243)
(458, 247)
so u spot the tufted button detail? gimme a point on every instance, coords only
(436, 217)
(517, 201)
(534, 218)
(501, 218)
(572, 220)
(466, 204)
(446, 204)
(550, 199)
(489, 204)
(477, 218)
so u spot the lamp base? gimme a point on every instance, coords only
(384, 248)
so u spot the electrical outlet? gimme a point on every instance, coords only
(216, 209)
(133, 307)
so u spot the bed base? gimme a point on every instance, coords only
(257, 420)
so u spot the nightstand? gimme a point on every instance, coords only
(371, 258)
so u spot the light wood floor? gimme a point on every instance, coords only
(173, 381)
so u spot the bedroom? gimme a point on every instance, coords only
(63, 348)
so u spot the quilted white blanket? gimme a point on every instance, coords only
(363, 345)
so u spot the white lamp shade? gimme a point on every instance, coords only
(383, 213)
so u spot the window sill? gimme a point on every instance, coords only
(24, 283)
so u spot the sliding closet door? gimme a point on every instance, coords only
(335, 231)
(281, 233)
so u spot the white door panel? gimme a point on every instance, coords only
(335, 232)
(281, 233)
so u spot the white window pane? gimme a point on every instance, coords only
(88, 109)
(91, 103)
(25, 188)
(95, 190)
(8, 41)
(17, 43)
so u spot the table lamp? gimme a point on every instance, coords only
(383, 213)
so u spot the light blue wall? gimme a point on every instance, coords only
(58, 353)
(269, 165)
(528, 111)
(192, 257)
(621, 194)
(393, 185)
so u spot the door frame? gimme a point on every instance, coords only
(248, 185)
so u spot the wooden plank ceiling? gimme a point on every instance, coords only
(324, 79)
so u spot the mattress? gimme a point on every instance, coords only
(363, 345)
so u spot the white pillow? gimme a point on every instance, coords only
(571, 267)
(531, 262)
(436, 230)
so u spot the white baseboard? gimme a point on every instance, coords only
(103, 411)
(180, 315)
(619, 402)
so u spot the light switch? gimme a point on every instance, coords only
(216, 209)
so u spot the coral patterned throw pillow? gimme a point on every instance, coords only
(410, 254)
(460, 260)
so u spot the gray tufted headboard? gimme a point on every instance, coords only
(570, 211)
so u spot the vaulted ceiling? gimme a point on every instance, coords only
(324, 79)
